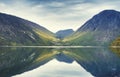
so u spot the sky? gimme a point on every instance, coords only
(57, 14)
(55, 68)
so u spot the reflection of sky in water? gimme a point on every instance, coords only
(55, 68)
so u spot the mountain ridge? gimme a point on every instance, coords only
(64, 33)
(102, 29)
(18, 31)
(105, 16)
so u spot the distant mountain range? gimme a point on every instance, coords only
(101, 29)
(18, 31)
(64, 33)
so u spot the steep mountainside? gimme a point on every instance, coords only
(64, 33)
(102, 29)
(18, 60)
(96, 60)
(18, 31)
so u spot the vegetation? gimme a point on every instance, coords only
(116, 42)
(17, 60)
(85, 38)
(116, 50)
(46, 38)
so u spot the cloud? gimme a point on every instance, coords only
(57, 14)
(57, 69)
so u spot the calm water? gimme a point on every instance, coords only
(59, 62)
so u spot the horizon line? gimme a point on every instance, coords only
(61, 46)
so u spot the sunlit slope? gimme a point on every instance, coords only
(116, 42)
(18, 60)
(18, 31)
(101, 30)
(100, 62)
(46, 36)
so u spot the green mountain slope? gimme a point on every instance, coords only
(18, 31)
(100, 30)
(18, 60)
(97, 61)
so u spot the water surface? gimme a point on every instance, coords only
(59, 62)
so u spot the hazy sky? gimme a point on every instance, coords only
(55, 68)
(57, 14)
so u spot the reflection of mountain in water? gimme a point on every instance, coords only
(18, 60)
(63, 58)
(99, 62)
(116, 50)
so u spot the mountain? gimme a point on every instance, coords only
(63, 58)
(100, 62)
(101, 29)
(64, 33)
(18, 31)
(19, 60)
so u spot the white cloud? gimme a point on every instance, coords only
(57, 69)
(58, 15)
(56, 4)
